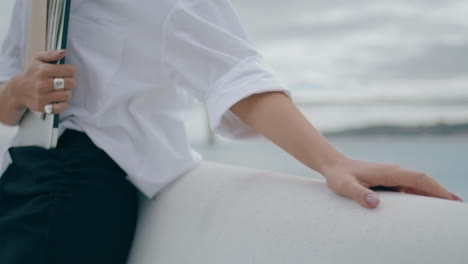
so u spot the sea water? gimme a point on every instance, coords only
(444, 158)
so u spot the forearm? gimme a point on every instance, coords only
(10, 114)
(276, 117)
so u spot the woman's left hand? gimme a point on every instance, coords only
(275, 116)
(353, 178)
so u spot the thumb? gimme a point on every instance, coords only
(364, 196)
(51, 56)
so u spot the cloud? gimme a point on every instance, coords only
(340, 44)
(433, 61)
(299, 19)
(346, 45)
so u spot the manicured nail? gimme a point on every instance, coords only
(372, 200)
(456, 198)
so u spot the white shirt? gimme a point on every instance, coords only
(140, 64)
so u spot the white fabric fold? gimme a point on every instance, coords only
(140, 68)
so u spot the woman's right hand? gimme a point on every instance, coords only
(34, 88)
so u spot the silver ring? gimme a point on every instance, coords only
(59, 83)
(49, 108)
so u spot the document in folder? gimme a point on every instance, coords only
(48, 28)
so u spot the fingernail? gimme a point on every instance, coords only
(372, 200)
(456, 198)
(61, 51)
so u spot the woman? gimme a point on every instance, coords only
(133, 71)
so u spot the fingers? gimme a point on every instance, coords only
(456, 197)
(364, 196)
(47, 70)
(56, 70)
(70, 83)
(59, 96)
(351, 188)
(45, 87)
(354, 178)
(422, 183)
(411, 181)
(59, 107)
(411, 190)
(55, 98)
(51, 56)
(46, 94)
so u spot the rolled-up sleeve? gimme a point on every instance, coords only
(207, 52)
(12, 51)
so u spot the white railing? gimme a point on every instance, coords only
(222, 214)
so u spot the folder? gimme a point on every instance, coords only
(48, 30)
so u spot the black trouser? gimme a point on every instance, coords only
(68, 205)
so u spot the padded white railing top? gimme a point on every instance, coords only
(218, 214)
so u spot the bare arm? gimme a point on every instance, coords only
(10, 114)
(33, 89)
(276, 117)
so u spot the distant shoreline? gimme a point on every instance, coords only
(440, 129)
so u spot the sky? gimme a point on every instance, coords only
(337, 48)
(394, 48)
(361, 51)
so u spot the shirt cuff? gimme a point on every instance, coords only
(252, 76)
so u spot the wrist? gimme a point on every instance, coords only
(11, 91)
(331, 163)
